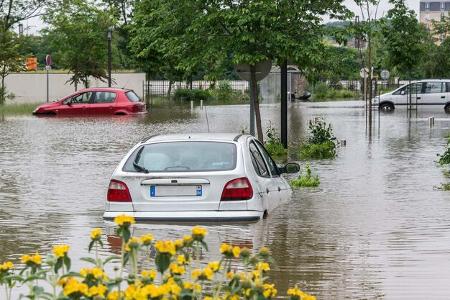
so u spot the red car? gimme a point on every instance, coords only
(95, 101)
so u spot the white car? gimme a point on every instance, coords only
(197, 178)
(422, 92)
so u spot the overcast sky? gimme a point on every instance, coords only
(34, 25)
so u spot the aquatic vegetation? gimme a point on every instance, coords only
(444, 159)
(273, 144)
(321, 143)
(176, 272)
(306, 179)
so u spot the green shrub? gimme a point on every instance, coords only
(224, 94)
(320, 90)
(192, 95)
(444, 159)
(323, 92)
(321, 141)
(273, 143)
(306, 179)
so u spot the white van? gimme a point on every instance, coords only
(422, 92)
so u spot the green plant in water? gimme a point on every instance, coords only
(273, 143)
(306, 179)
(321, 142)
(444, 159)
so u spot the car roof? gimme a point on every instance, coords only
(103, 89)
(223, 137)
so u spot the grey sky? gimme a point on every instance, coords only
(34, 25)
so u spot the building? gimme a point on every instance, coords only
(433, 10)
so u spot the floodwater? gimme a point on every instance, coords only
(376, 228)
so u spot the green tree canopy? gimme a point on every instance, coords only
(78, 34)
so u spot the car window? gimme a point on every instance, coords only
(104, 97)
(183, 157)
(82, 98)
(432, 87)
(413, 88)
(271, 164)
(448, 86)
(258, 161)
(131, 95)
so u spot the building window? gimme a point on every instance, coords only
(447, 6)
(435, 6)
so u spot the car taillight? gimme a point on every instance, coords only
(237, 189)
(118, 192)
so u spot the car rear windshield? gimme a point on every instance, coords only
(131, 95)
(182, 157)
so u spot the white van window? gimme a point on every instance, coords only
(432, 87)
(413, 88)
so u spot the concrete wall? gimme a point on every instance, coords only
(31, 87)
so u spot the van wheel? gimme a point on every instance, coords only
(447, 108)
(387, 107)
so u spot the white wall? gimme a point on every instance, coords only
(32, 88)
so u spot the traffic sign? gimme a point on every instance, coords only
(384, 74)
(48, 60)
(364, 72)
(262, 69)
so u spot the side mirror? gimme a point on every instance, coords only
(290, 168)
(402, 92)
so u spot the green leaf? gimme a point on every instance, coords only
(162, 261)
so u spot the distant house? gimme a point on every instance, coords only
(433, 10)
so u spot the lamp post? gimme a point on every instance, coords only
(20, 29)
(109, 55)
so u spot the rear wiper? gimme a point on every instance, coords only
(140, 168)
(137, 166)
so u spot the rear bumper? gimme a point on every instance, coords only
(191, 216)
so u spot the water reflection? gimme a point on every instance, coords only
(375, 228)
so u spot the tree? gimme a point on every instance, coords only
(78, 31)
(405, 40)
(11, 13)
(198, 32)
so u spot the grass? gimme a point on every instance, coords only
(276, 150)
(326, 150)
(306, 179)
(18, 108)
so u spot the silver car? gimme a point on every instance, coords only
(197, 178)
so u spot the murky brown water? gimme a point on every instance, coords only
(376, 227)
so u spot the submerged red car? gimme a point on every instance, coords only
(95, 101)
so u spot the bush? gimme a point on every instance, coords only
(322, 91)
(306, 179)
(273, 143)
(444, 159)
(192, 95)
(321, 141)
(224, 94)
(175, 272)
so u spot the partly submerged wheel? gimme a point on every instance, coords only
(447, 108)
(387, 107)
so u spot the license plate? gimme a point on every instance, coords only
(175, 190)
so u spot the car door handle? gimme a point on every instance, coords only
(442, 97)
(418, 98)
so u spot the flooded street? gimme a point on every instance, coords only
(376, 228)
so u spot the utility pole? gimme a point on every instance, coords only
(284, 136)
(109, 56)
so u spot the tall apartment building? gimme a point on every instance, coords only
(433, 10)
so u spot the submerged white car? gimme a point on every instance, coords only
(422, 92)
(197, 178)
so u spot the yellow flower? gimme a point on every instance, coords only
(31, 259)
(149, 274)
(96, 272)
(73, 286)
(245, 252)
(236, 251)
(60, 250)
(230, 275)
(181, 259)
(264, 251)
(133, 243)
(179, 244)
(296, 293)
(98, 290)
(166, 247)
(176, 269)
(6, 266)
(198, 233)
(214, 266)
(269, 290)
(262, 266)
(196, 273)
(114, 295)
(225, 248)
(187, 239)
(208, 273)
(124, 220)
(207, 298)
(146, 239)
(96, 234)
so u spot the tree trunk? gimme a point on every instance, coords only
(254, 84)
(169, 92)
(2, 91)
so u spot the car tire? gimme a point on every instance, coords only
(447, 109)
(387, 107)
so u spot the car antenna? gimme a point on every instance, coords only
(207, 121)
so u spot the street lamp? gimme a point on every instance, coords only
(20, 29)
(109, 55)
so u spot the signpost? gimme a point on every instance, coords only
(384, 74)
(48, 67)
(244, 71)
